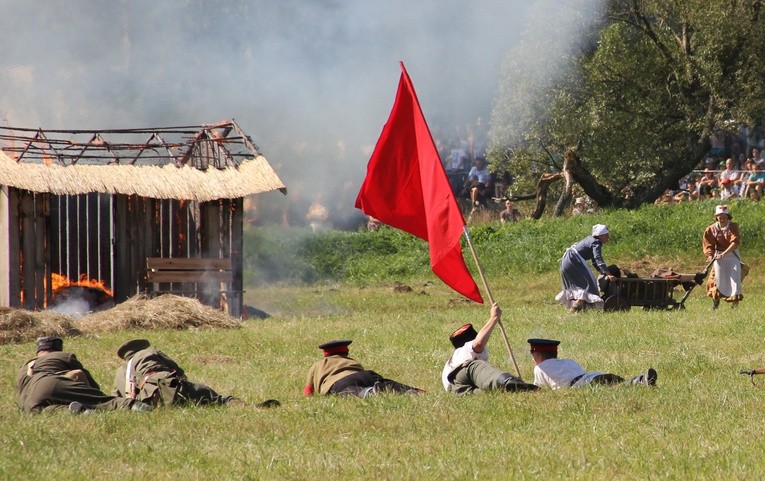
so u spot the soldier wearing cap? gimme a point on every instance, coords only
(563, 373)
(720, 243)
(338, 373)
(55, 380)
(468, 369)
(151, 376)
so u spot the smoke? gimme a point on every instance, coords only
(311, 81)
(557, 33)
(75, 307)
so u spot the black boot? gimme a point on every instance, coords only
(508, 382)
(76, 407)
(648, 378)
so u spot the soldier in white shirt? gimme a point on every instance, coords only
(563, 373)
(468, 369)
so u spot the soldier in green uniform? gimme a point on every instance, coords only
(338, 373)
(56, 380)
(151, 376)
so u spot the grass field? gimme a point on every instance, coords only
(702, 421)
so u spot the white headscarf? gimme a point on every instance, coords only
(599, 229)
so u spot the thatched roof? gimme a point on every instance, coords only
(203, 163)
(253, 176)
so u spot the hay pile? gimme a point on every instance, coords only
(18, 325)
(140, 312)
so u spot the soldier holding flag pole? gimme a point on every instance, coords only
(407, 188)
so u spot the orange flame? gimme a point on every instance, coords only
(59, 282)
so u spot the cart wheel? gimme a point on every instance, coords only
(616, 303)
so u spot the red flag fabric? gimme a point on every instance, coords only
(406, 187)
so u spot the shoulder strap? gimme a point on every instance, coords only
(129, 384)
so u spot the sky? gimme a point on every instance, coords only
(311, 81)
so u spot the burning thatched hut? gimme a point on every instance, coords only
(90, 207)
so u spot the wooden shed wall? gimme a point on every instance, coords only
(108, 238)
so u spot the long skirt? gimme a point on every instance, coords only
(578, 281)
(727, 279)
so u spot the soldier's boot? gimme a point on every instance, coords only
(233, 401)
(76, 407)
(648, 378)
(268, 403)
(508, 382)
(376, 389)
(141, 407)
(398, 388)
(415, 391)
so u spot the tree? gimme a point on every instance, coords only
(642, 87)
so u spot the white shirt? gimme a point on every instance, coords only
(483, 176)
(558, 373)
(459, 357)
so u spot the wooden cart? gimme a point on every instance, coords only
(648, 292)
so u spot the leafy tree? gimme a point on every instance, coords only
(641, 86)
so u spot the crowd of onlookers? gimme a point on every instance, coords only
(734, 168)
(742, 177)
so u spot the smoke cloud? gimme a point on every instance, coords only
(311, 81)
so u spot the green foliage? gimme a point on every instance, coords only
(643, 92)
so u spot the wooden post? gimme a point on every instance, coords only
(14, 247)
(122, 260)
(28, 249)
(42, 252)
(236, 302)
(5, 251)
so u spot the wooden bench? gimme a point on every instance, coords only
(208, 279)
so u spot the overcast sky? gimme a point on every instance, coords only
(312, 81)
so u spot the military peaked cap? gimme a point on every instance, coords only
(131, 347)
(335, 347)
(543, 345)
(50, 343)
(462, 335)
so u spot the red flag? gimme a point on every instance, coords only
(406, 187)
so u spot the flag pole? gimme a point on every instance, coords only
(491, 299)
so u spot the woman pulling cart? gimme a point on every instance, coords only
(580, 288)
(720, 243)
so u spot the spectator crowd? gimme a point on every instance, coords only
(742, 177)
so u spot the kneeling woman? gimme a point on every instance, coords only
(580, 288)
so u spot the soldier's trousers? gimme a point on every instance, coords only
(354, 384)
(479, 375)
(52, 391)
(198, 393)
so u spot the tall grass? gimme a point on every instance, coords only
(701, 422)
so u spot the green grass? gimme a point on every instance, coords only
(701, 422)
